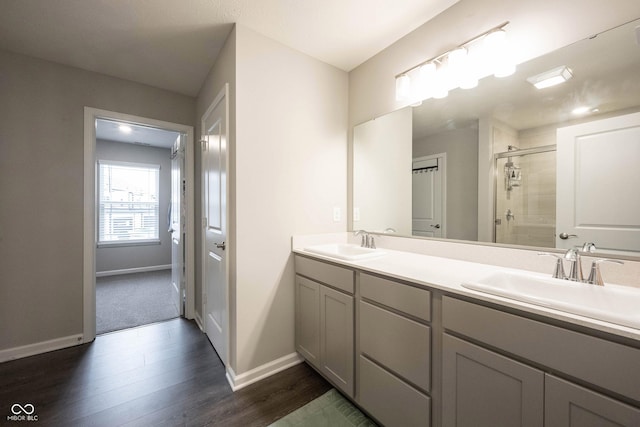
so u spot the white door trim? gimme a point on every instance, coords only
(223, 94)
(89, 238)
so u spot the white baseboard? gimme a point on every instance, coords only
(133, 270)
(39, 347)
(261, 372)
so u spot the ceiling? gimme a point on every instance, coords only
(109, 130)
(173, 44)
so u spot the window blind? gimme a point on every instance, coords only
(128, 202)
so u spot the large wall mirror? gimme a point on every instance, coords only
(512, 164)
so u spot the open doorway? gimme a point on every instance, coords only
(138, 231)
(138, 270)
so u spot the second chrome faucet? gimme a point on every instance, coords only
(367, 239)
(573, 255)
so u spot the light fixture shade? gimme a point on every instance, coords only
(457, 65)
(457, 59)
(495, 42)
(441, 83)
(498, 54)
(462, 69)
(427, 80)
(403, 87)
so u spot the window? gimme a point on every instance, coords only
(128, 205)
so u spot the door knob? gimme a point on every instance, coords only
(221, 245)
(435, 226)
(565, 236)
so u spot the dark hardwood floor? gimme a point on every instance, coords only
(165, 374)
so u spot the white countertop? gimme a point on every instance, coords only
(448, 275)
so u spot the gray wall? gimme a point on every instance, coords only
(126, 257)
(461, 146)
(288, 129)
(41, 187)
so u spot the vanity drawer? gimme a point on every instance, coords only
(399, 344)
(408, 299)
(607, 364)
(390, 400)
(332, 275)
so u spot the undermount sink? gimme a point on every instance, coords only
(610, 303)
(345, 251)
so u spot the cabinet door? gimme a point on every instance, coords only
(397, 343)
(390, 400)
(484, 389)
(336, 338)
(308, 319)
(567, 404)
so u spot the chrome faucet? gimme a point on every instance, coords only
(575, 271)
(367, 240)
(573, 256)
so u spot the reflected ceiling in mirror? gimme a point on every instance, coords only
(606, 77)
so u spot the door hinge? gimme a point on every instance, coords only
(203, 143)
(204, 222)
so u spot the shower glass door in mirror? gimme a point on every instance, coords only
(525, 197)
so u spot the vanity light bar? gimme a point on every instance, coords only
(459, 67)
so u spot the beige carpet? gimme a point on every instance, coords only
(129, 300)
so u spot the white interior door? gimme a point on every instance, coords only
(177, 224)
(597, 184)
(427, 197)
(214, 187)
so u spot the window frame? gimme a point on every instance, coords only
(128, 242)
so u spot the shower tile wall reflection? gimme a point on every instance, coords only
(526, 190)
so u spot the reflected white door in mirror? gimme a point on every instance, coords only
(429, 196)
(599, 207)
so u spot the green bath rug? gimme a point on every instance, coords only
(328, 410)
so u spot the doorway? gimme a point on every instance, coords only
(129, 220)
(428, 205)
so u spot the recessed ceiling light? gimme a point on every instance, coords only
(551, 78)
(125, 128)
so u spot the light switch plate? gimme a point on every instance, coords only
(337, 214)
